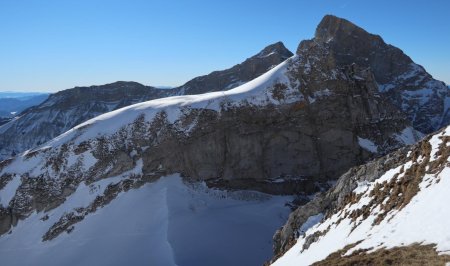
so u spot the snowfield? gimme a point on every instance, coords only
(162, 223)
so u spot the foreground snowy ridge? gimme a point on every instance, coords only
(404, 208)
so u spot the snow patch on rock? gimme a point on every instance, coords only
(368, 145)
(8, 192)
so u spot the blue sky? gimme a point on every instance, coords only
(50, 45)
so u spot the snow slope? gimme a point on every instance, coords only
(162, 223)
(254, 92)
(424, 219)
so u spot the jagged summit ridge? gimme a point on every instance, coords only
(278, 48)
(410, 88)
(331, 27)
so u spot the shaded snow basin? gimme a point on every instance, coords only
(162, 223)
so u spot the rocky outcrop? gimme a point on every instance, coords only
(316, 137)
(406, 83)
(66, 109)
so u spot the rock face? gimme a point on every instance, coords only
(68, 108)
(407, 84)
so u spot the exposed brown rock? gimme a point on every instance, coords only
(414, 255)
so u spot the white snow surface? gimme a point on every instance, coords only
(409, 136)
(162, 223)
(310, 222)
(368, 145)
(424, 220)
(8, 192)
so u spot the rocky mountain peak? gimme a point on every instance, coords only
(344, 38)
(334, 27)
(406, 83)
(275, 48)
(239, 74)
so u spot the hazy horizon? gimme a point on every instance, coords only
(51, 46)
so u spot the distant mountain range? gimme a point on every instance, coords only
(12, 103)
(20, 95)
(17, 104)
